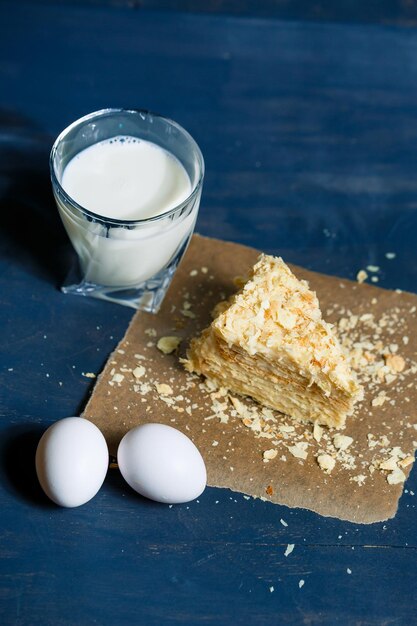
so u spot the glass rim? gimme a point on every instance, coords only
(112, 220)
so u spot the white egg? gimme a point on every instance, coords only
(71, 461)
(161, 463)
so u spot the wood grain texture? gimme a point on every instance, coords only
(309, 136)
(397, 12)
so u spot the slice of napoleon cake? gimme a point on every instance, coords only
(270, 342)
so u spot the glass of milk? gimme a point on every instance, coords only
(127, 184)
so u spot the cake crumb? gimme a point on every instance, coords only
(139, 371)
(317, 432)
(406, 462)
(360, 479)
(389, 464)
(396, 477)
(379, 399)
(268, 455)
(163, 389)
(326, 462)
(395, 362)
(168, 344)
(188, 313)
(299, 450)
(342, 442)
(290, 547)
(361, 276)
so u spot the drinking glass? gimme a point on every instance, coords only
(131, 262)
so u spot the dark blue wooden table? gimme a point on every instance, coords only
(309, 131)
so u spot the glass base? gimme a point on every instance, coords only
(147, 296)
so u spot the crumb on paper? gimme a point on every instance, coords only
(188, 313)
(269, 490)
(299, 450)
(395, 362)
(396, 477)
(360, 479)
(163, 389)
(168, 344)
(139, 371)
(406, 462)
(268, 455)
(317, 432)
(389, 464)
(379, 399)
(117, 378)
(361, 276)
(151, 332)
(342, 442)
(326, 462)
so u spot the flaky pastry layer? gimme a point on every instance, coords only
(271, 343)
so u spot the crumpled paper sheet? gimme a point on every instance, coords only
(128, 393)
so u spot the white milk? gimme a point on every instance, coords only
(125, 178)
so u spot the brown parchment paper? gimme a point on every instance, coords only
(233, 452)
